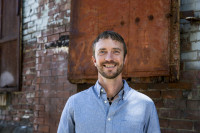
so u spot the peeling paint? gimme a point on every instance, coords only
(61, 49)
(6, 79)
(58, 2)
(2, 99)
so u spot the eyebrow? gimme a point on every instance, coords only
(117, 49)
(113, 48)
(101, 49)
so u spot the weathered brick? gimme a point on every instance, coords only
(192, 65)
(152, 94)
(39, 107)
(43, 128)
(193, 105)
(53, 37)
(189, 56)
(171, 94)
(197, 126)
(181, 124)
(64, 7)
(38, 120)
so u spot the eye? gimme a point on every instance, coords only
(102, 52)
(116, 52)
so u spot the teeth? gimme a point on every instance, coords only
(109, 66)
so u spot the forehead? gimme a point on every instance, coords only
(108, 44)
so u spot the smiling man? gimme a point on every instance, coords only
(110, 106)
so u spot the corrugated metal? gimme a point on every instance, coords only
(146, 26)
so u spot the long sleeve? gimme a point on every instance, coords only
(153, 123)
(67, 124)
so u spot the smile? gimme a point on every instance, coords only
(109, 66)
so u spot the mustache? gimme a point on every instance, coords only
(109, 62)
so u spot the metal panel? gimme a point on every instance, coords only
(146, 26)
(9, 45)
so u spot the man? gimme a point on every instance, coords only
(110, 106)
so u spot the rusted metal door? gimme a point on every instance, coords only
(9, 44)
(149, 27)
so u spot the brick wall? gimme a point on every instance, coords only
(45, 87)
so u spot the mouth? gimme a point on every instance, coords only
(109, 65)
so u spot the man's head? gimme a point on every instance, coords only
(109, 54)
(110, 34)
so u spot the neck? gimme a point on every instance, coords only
(111, 86)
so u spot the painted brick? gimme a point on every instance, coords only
(33, 17)
(195, 45)
(187, 7)
(189, 56)
(193, 36)
(197, 3)
(193, 65)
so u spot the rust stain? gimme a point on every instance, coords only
(149, 33)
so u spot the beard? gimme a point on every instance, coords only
(110, 74)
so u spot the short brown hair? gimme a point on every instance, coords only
(110, 34)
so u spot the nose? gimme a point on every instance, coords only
(109, 56)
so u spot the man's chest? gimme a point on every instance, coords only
(118, 118)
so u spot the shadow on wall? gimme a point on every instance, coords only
(9, 128)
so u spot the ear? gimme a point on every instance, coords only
(94, 60)
(125, 59)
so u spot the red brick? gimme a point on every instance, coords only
(47, 32)
(39, 107)
(64, 7)
(40, 80)
(59, 29)
(49, 94)
(174, 103)
(58, 58)
(29, 64)
(193, 105)
(152, 94)
(16, 118)
(61, 94)
(44, 66)
(164, 122)
(197, 126)
(51, 79)
(159, 103)
(171, 94)
(45, 86)
(188, 76)
(43, 128)
(38, 120)
(59, 72)
(169, 113)
(181, 124)
(54, 10)
(45, 73)
(35, 127)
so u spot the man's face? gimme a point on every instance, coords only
(109, 58)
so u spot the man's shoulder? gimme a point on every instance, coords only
(140, 97)
(82, 94)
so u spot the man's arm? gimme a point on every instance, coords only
(153, 125)
(67, 124)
